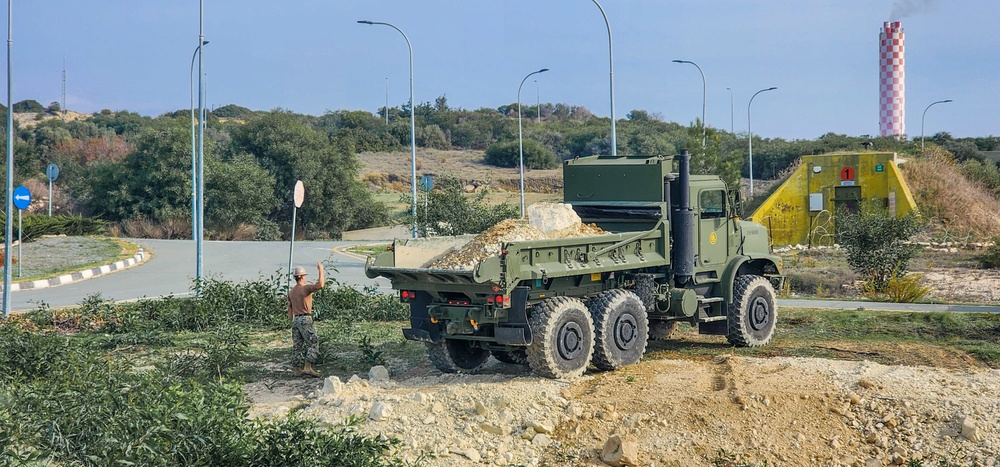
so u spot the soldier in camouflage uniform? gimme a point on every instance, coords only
(305, 341)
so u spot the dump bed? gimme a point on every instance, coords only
(406, 265)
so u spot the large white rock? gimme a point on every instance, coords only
(969, 429)
(378, 373)
(550, 216)
(619, 452)
(380, 410)
(332, 385)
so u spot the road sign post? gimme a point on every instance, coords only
(22, 199)
(298, 195)
(52, 171)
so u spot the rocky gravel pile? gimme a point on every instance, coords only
(544, 220)
(449, 419)
(785, 411)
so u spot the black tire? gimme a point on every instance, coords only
(457, 356)
(662, 330)
(562, 338)
(621, 328)
(517, 356)
(753, 313)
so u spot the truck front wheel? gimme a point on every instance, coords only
(457, 356)
(753, 313)
(620, 328)
(562, 338)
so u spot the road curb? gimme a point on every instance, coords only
(140, 257)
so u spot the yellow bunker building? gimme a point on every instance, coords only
(802, 209)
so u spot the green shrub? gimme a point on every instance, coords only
(508, 154)
(990, 258)
(92, 410)
(37, 225)
(876, 243)
(449, 212)
(898, 289)
(339, 302)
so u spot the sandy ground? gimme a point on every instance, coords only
(785, 411)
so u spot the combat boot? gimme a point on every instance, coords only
(298, 371)
(309, 371)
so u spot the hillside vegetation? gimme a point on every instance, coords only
(134, 171)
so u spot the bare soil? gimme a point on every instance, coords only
(391, 171)
(679, 412)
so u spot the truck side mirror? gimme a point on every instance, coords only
(735, 204)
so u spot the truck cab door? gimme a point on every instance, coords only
(713, 237)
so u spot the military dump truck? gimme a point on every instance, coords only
(676, 251)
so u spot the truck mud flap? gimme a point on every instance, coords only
(418, 335)
(422, 329)
(515, 331)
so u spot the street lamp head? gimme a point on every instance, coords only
(949, 100)
(204, 42)
(771, 88)
(364, 21)
(543, 70)
(681, 61)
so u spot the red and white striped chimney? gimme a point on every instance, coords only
(891, 84)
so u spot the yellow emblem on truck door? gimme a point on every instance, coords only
(712, 238)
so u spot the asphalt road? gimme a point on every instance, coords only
(171, 270)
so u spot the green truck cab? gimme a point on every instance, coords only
(676, 251)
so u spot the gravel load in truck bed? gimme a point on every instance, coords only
(545, 220)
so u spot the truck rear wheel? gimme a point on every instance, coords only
(518, 356)
(753, 313)
(562, 338)
(620, 328)
(457, 356)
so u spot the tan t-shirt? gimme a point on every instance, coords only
(300, 299)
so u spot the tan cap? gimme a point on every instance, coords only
(299, 271)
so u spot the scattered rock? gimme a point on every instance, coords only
(619, 452)
(480, 408)
(969, 429)
(379, 411)
(378, 373)
(332, 385)
(541, 440)
(866, 384)
(472, 454)
(541, 426)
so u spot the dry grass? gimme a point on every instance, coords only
(956, 209)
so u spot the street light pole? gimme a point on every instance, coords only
(413, 134)
(704, 98)
(611, 62)
(194, 157)
(9, 206)
(386, 101)
(201, 148)
(520, 141)
(922, 122)
(732, 117)
(750, 135)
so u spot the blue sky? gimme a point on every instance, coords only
(311, 56)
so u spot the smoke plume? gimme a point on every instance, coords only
(904, 8)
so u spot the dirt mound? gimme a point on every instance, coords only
(782, 411)
(955, 207)
(545, 220)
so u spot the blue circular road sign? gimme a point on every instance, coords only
(22, 197)
(52, 171)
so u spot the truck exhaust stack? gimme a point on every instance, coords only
(683, 224)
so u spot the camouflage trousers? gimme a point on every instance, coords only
(305, 341)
